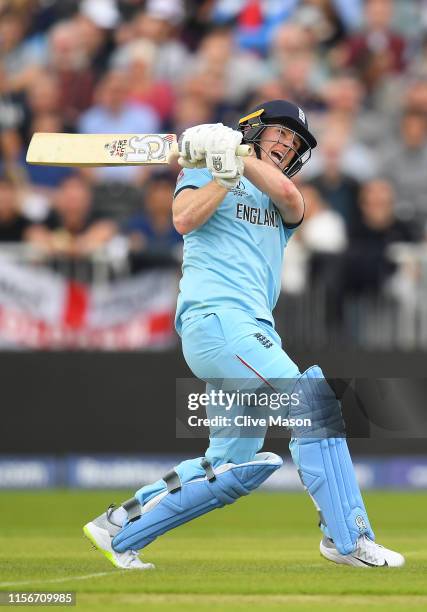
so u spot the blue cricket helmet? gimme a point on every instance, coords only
(287, 115)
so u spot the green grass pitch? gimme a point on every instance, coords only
(261, 554)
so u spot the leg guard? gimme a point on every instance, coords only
(321, 455)
(182, 502)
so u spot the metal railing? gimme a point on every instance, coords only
(395, 317)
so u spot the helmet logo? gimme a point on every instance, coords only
(301, 114)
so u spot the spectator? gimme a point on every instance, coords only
(256, 20)
(158, 23)
(377, 51)
(209, 89)
(14, 226)
(323, 235)
(366, 264)
(191, 109)
(12, 107)
(311, 258)
(289, 39)
(93, 21)
(72, 229)
(357, 160)
(11, 151)
(71, 66)
(44, 95)
(322, 19)
(151, 231)
(345, 97)
(404, 164)
(239, 73)
(365, 269)
(296, 78)
(351, 13)
(415, 98)
(113, 114)
(20, 58)
(334, 185)
(144, 88)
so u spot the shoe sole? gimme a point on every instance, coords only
(88, 531)
(94, 535)
(339, 559)
(336, 557)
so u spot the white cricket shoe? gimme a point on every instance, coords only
(101, 532)
(366, 554)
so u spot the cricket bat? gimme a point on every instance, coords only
(55, 149)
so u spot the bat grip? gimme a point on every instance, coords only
(242, 150)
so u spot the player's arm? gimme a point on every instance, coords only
(278, 187)
(213, 147)
(191, 208)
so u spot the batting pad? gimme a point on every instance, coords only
(186, 501)
(321, 455)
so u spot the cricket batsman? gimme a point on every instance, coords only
(237, 215)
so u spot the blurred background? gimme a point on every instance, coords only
(90, 261)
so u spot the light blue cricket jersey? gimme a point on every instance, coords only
(235, 259)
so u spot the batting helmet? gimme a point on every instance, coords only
(285, 114)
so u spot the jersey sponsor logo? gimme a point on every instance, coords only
(257, 216)
(180, 177)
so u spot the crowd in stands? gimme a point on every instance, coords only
(359, 70)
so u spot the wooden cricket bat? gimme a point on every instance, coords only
(55, 149)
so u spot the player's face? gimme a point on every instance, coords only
(279, 146)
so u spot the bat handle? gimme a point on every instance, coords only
(242, 150)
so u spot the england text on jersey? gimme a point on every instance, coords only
(257, 216)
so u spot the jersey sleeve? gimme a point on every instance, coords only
(192, 179)
(289, 228)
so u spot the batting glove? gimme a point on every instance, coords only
(231, 183)
(221, 159)
(192, 145)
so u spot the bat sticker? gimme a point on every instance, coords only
(147, 148)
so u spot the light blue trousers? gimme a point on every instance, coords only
(229, 344)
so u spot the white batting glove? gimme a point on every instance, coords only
(221, 159)
(231, 183)
(192, 145)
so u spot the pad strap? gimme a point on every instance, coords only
(207, 466)
(196, 496)
(133, 508)
(173, 481)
